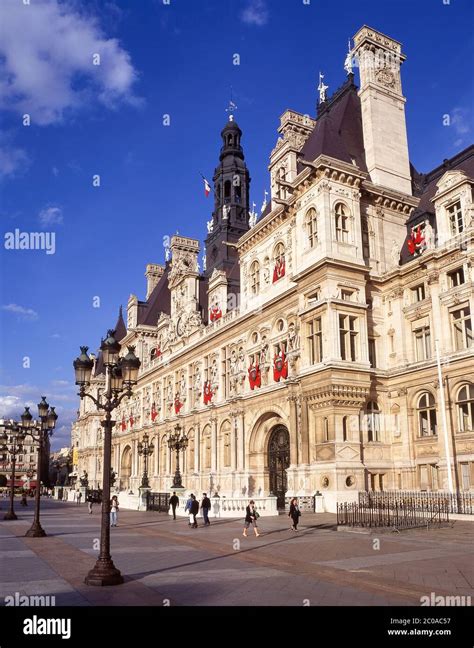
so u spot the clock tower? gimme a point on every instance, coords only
(383, 109)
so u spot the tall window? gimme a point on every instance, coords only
(348, 337)
(373, 421)
(311, 223)
(255, 278)
(342, 223)
(365, 238)
(456, 221)
(344, 428)
(372, 352)
(207, 448)
(462, 328)
(465, 405)
(226, 438)
(325, 429)
(315, 341)
(422, 343)
(279, 253)
(427, 425)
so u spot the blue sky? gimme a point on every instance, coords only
(107, 119)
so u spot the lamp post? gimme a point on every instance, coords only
(145, 450)
(39, 433)
(177, 442)
(14, 446)
(121, 373)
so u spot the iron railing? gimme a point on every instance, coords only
(396, 516)
(458, 502)
(158, 502)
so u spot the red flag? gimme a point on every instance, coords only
(154, 413)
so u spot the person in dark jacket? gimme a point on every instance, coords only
(194, 511)
(187, 508)
(205, 507)
(294, 514)
(251, 516)
(174, 502)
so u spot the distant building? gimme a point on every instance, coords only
(302, 358)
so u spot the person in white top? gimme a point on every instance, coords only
(114, 507)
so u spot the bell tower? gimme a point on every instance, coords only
(230, 218)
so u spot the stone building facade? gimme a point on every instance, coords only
(303, 356)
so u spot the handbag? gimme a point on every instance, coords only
(257, 515)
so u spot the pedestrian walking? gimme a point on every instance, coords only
(79, 497)
(24, 501)
(205, 507)
(90, 502)
(294, 513)
(251, 517)
(174, 502)
(187, 509)
(114, 508)
(194, 511)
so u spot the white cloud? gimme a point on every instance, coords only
(255, 13)
(22, 313)
(50, 216)
(460, 120)
(12, 160)
(46, 61)
(55, 171)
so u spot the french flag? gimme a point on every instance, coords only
(207, 187)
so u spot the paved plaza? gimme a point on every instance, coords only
(166, 562)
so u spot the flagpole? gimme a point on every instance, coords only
(444, 419)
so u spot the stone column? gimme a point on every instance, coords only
(197, 448)
(305, 443)
(294, 459)
(213, 443)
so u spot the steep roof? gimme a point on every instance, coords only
(338, 130)
(158, 302)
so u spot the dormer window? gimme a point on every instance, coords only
(455, 216)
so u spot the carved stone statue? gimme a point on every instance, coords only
(429, 235)
(210, 226)
(293, 337)
(394, 254)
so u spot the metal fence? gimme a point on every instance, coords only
(454, 502)
(396, 515)
(158, 502)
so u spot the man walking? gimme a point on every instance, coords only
(174, 502)
(194, 511)
(205, 507)
(188, 509)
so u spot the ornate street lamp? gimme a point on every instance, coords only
(39, 432)
(121, 374)
(12, 444)
(177, 442)
(145, 450)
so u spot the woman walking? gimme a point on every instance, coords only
(251, 516)
(114, 507)
(294, 513)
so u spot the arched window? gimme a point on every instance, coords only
(311, 225)
(255, 277)
(465, 405)
(226, 441)
(279, 261)
(373, 421)
(427, 425)
(342, 223)
(207, 448)
(227, 190)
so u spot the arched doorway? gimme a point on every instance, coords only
(126, 468)
(278, 462)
